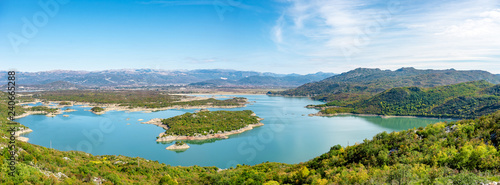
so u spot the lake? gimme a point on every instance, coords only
(289, 135)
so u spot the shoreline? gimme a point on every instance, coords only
(224, 135)
(157, 122)
(116, 107)
(178, 147)
(377, 115)
(21, 138)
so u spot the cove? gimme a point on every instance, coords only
(289, 135)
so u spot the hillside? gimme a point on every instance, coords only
(364, 81)
(145, 77)
(462, 152)
(463, 100)
(208, 122)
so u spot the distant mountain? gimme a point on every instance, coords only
(365, 80)
(139, 77)
(463, 100)
(57, 85)
(292, 80)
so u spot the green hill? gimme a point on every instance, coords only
(364, 81)
(463, 100)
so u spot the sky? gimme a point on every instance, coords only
(281, 36)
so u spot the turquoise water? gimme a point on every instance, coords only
(288, 136)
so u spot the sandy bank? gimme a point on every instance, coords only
(224, 135)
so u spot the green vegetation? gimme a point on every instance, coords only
(462, 152)
(208, 122)
(146, 99)
(464, 100)
(64, 103)
(97, 109)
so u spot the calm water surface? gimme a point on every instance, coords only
(288, 136)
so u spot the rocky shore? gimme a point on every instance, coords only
(23, 131)
(69, 110)
(116, 107)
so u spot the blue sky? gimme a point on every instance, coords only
(282, 36)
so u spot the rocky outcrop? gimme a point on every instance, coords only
(178, 147)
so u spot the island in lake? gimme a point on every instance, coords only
(206, 125)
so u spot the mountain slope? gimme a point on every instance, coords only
(364, 80)
(463, 100)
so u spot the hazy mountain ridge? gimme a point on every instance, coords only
(143, 77)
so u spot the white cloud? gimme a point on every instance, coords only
(201, 61)
(277, 32)
(380, 33)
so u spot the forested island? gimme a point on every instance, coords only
(208, 124)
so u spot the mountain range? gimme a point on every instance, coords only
(154, 77)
